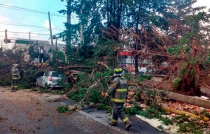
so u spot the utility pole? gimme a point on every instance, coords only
(56, 44)
(50, 30)
(5, 36)
(29, 39)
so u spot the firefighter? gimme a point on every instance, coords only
(15, 76)
(118, 92)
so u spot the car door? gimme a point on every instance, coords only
(39, 80)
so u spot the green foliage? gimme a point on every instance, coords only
(131, 111)
(207, 62)
(33, 52)
(185, 39)
(43, 90)
(28, 78)
(24, 84)
(151, 112)
(95, 96)
(5, 81)
(127, 76)
(58, 59)
(165, 120)
(144, 77)
(175, 50)
(102, 106)
(78, 95)
(98, 74)
(188, 125)
(191, 73)
(160, 127)
(176, 82)
(182, 71)
(62, 109)
(205, 113)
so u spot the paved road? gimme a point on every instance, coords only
(26, 112)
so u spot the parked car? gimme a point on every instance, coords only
(50, 79)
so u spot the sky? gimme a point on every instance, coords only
(19, 21)
(12, 15)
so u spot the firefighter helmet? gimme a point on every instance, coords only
(118, 71)
(15, 65)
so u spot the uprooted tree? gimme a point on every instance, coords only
(184, 47)
(165, 31)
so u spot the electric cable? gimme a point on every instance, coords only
(25, 32)
(27, 25)
(29, 10)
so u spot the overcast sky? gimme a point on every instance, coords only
(34, 22)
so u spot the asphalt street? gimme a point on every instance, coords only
(27, 112)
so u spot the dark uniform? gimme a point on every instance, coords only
(15, 76)
(41, 54)
(118, 92)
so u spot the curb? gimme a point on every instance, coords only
(156, 123)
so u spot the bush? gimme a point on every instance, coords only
(62, 109)
(144, 77)
(77, 95)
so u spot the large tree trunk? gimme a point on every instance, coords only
(189, 99)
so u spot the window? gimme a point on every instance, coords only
(54, 74)
(46, 74)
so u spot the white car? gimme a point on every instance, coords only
(50, 79)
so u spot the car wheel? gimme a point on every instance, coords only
(46, 86)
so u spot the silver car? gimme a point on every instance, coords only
(50, 79)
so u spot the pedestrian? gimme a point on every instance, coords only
(15, 77)
(118, 92)
(41, 54)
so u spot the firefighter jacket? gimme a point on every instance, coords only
(15, 73)
(118, 90)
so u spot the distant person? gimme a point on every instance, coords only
(41, 54)
(15, 73)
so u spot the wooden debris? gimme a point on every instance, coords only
(168, 109)
(70, 67)
(103, 64)
(178, 97)
(188, 99)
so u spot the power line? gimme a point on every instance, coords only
(40, 30)
(26, 25)
(25, 32)
(29, 10)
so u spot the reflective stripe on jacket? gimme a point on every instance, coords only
(118, 90)
(15, 73)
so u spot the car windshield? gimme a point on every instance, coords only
(54, 74)
(60, 75)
